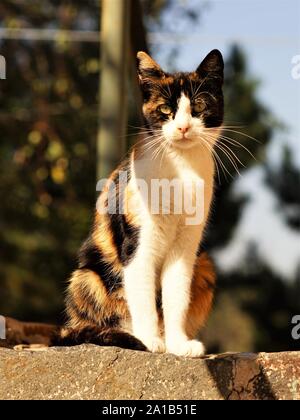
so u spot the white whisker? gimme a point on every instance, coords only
(223, 167)
(232, 157)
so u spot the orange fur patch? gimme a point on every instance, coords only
(201, 295)
(132, 206)
(103, 239)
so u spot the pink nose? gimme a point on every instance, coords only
(184, 130)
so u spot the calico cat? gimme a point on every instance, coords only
(142, 281)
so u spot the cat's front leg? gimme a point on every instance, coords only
(139, 281)
(176, 294)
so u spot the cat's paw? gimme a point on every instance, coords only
(187, 348)
(155, 344)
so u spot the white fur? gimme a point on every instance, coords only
(167, 247)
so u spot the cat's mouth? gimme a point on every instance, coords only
(183, 142)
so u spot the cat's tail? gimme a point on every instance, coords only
(27, 333)
(30, 333)
(96, 335)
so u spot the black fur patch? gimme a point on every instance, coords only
(125, 235)
(90, 258)
(100, 337)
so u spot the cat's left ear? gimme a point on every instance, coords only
(213, 64)
(148, 68)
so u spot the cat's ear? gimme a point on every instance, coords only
(148, 68)
(212, 64)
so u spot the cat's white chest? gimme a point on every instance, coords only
(193, 172)
(189, 165)
(175, 182)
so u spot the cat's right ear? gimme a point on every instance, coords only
(148, 68)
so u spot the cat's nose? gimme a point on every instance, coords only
(184, 129)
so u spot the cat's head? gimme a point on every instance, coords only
(183, 107)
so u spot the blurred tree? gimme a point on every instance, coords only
(48, 123)
(285, 183)
(154, 12)
(253, 305)
(153, 8)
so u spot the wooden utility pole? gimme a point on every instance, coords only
(115, 39)
(138, 42)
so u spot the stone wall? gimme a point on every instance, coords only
(91, 372)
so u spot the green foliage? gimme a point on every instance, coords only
(48, 123)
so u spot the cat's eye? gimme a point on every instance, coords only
(199, 106)
(165, 109)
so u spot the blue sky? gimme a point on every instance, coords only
(269, 32)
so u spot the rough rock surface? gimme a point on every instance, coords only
(91, 372)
